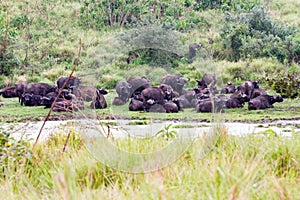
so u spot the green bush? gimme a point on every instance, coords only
(128, 13)
(254, 34)
(226, 5)
(288, 85)
(8, 38)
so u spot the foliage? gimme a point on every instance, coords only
(288, 85)
(118, 13)
(226, 5)
(8, 37)
(13, 153)
(254, 34)
(166, 132)
(263, 167)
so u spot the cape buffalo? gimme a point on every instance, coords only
(207, 79)
(73, 82)
(171, 107)
(229, 88)
(39, 88)
(85, 93)
(187, 98)
(20, 89)
(118, 101)
(123, 89)
(177, 82)
(210, 105)
(264, 102)
(185, 103)
(9, 92)
(31, 99)
(138, 84)
(50, 97)
(99, 101)
(247, 87)
(168, 91)
(136, 105)
(257, 92)
(152, 96)
(237, 100)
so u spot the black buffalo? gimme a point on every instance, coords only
(207, 79)
(186, 99)
(169, 94)
(258, 92)
(185, 103)
(49, 98)
(211, 105)
(208, 82)
(39, 88)
(99, 101)
(136, 105)
(118, 101)
(152, 96)
(172, 106)
(247, 87)
(65, 95)
(124, 90)
(72, 83)
(138, 85)
(20, 89)
(263, 102)
(229, 88)
(237, 100)
(84, 93)
(31, 99)
(177, 82)
(9, 92)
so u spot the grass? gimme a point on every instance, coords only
(250, 167)
(14, 112)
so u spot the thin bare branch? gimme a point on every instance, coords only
(59, 93)
(67, 140)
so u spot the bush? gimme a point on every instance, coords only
(254, 34)
(225, 5)
(288, 85)
(129, 13)
(8, 36)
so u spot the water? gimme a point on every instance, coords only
(123, 128)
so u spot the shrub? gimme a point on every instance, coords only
(118, 13)
(288, 85)
(8, 36)
(226, 5)
(254, 34)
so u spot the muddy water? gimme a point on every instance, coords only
(128, 128)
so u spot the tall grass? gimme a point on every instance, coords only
(250, 167)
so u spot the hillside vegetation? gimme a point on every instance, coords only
(239, 40)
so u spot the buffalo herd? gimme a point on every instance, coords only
(67, 94)
(169, 96)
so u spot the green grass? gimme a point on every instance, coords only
(250, 167)
(14, 112)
